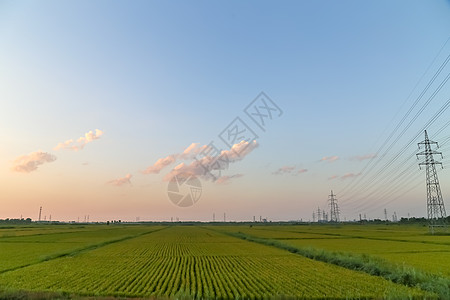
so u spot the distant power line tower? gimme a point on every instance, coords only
(318, 215)
(334, 209)
(435, 203)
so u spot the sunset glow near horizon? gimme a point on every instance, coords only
(103, 102)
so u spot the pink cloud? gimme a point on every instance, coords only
(284, 170)
(30, 162)
(121, 181)
(227, 179)
(349, 175)
(160, 164)
(333, 177)
(289, 170)
(191, 151)
(81, 142)
(204, 166)
(329, 158)
(300, 171)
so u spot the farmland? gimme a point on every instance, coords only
(211, 261)
(404, 245)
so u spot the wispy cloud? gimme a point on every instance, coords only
(121, 181)
(329, 158)
(363, 157)
(80, 142)
(345, 176)
(30, 162)
(349, 175)
(160, 164)
(227, 179)
(300, 171)
(289, 170)
(284, 170)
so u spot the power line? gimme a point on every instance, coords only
(349, 187)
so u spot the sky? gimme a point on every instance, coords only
(104, 102)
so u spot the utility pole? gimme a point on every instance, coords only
(435, 203)
(214, 217)
(314, 216)
(224, 217)
(318, 215)
(40, 212)
(385, 214)
(334, 209)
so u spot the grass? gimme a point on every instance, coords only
(399, 274)
(185, 262)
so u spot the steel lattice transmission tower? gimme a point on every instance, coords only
(334, 209)
(435, 202)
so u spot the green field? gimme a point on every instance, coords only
(223, 262)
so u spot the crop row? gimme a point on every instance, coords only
(200, 263)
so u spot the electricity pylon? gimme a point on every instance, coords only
(334, 209)
(435, 203)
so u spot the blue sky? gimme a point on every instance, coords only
(156, 76)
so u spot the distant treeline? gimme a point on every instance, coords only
(15, 221)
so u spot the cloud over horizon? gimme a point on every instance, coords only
(227, 179)
(345, 176)
(30, 162)
(160, 164)
(121, 181)
(80, 142)
(349, 175)
(330, 158)
(207, 165)
(210, 160)
(289, 170)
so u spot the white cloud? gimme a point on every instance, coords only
(81, 142)
(30, 162)
(121, 181)
(329, 158)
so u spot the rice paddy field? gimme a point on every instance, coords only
(215, 261)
